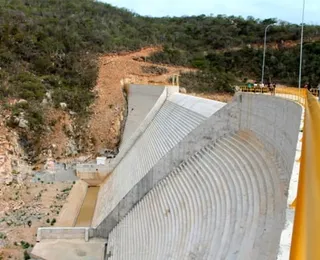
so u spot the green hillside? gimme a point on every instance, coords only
(53, 46)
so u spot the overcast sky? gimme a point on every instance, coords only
(287, 10)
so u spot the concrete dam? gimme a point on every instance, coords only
(194, 179)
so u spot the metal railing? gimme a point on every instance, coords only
(285, 92)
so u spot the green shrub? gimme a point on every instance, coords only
(53, 221)
(24, 245)
(26, 255)
(208, 82)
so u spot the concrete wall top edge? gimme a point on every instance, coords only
(146, 90)
(205, 107)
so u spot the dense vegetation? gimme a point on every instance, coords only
(50, 48)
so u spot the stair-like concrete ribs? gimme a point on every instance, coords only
(225, 202)
(175, 120)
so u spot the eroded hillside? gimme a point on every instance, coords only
(109, 106)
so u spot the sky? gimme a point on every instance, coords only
(286, 10)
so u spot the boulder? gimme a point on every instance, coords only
(182, 90)
(63, 105)
(23, 123)
(22, 101)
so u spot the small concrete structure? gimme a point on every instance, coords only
(76, 249)
(101, 160)
(83, 233)
(93, 174)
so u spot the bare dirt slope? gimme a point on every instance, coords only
(24, 208)
(108, 109)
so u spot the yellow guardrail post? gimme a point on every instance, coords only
(306, 235)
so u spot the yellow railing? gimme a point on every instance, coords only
(295, 94)
(315, 92)
(285, 92)
(306, 235)
(254, 89)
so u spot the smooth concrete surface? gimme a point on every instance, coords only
(141, 100)
(224, 202)
(205, 107)
(276, 121)
(172, 124)
(85, 216)
(53, 249)
(71, 209)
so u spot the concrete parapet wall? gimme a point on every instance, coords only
(84, 233)
(274, 120)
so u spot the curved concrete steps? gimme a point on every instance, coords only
(225, 202)
(171, 124)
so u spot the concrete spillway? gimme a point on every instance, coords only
(194, 178)
(176, 118)
(228, 192)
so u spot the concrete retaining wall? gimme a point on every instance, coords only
(273, 119)
(93, 174)
(84, 233)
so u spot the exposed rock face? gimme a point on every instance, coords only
(12, 165)
(5, 162)
(23, 123)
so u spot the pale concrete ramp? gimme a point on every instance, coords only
(142, 101)
(225, 202)
(75, 249)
